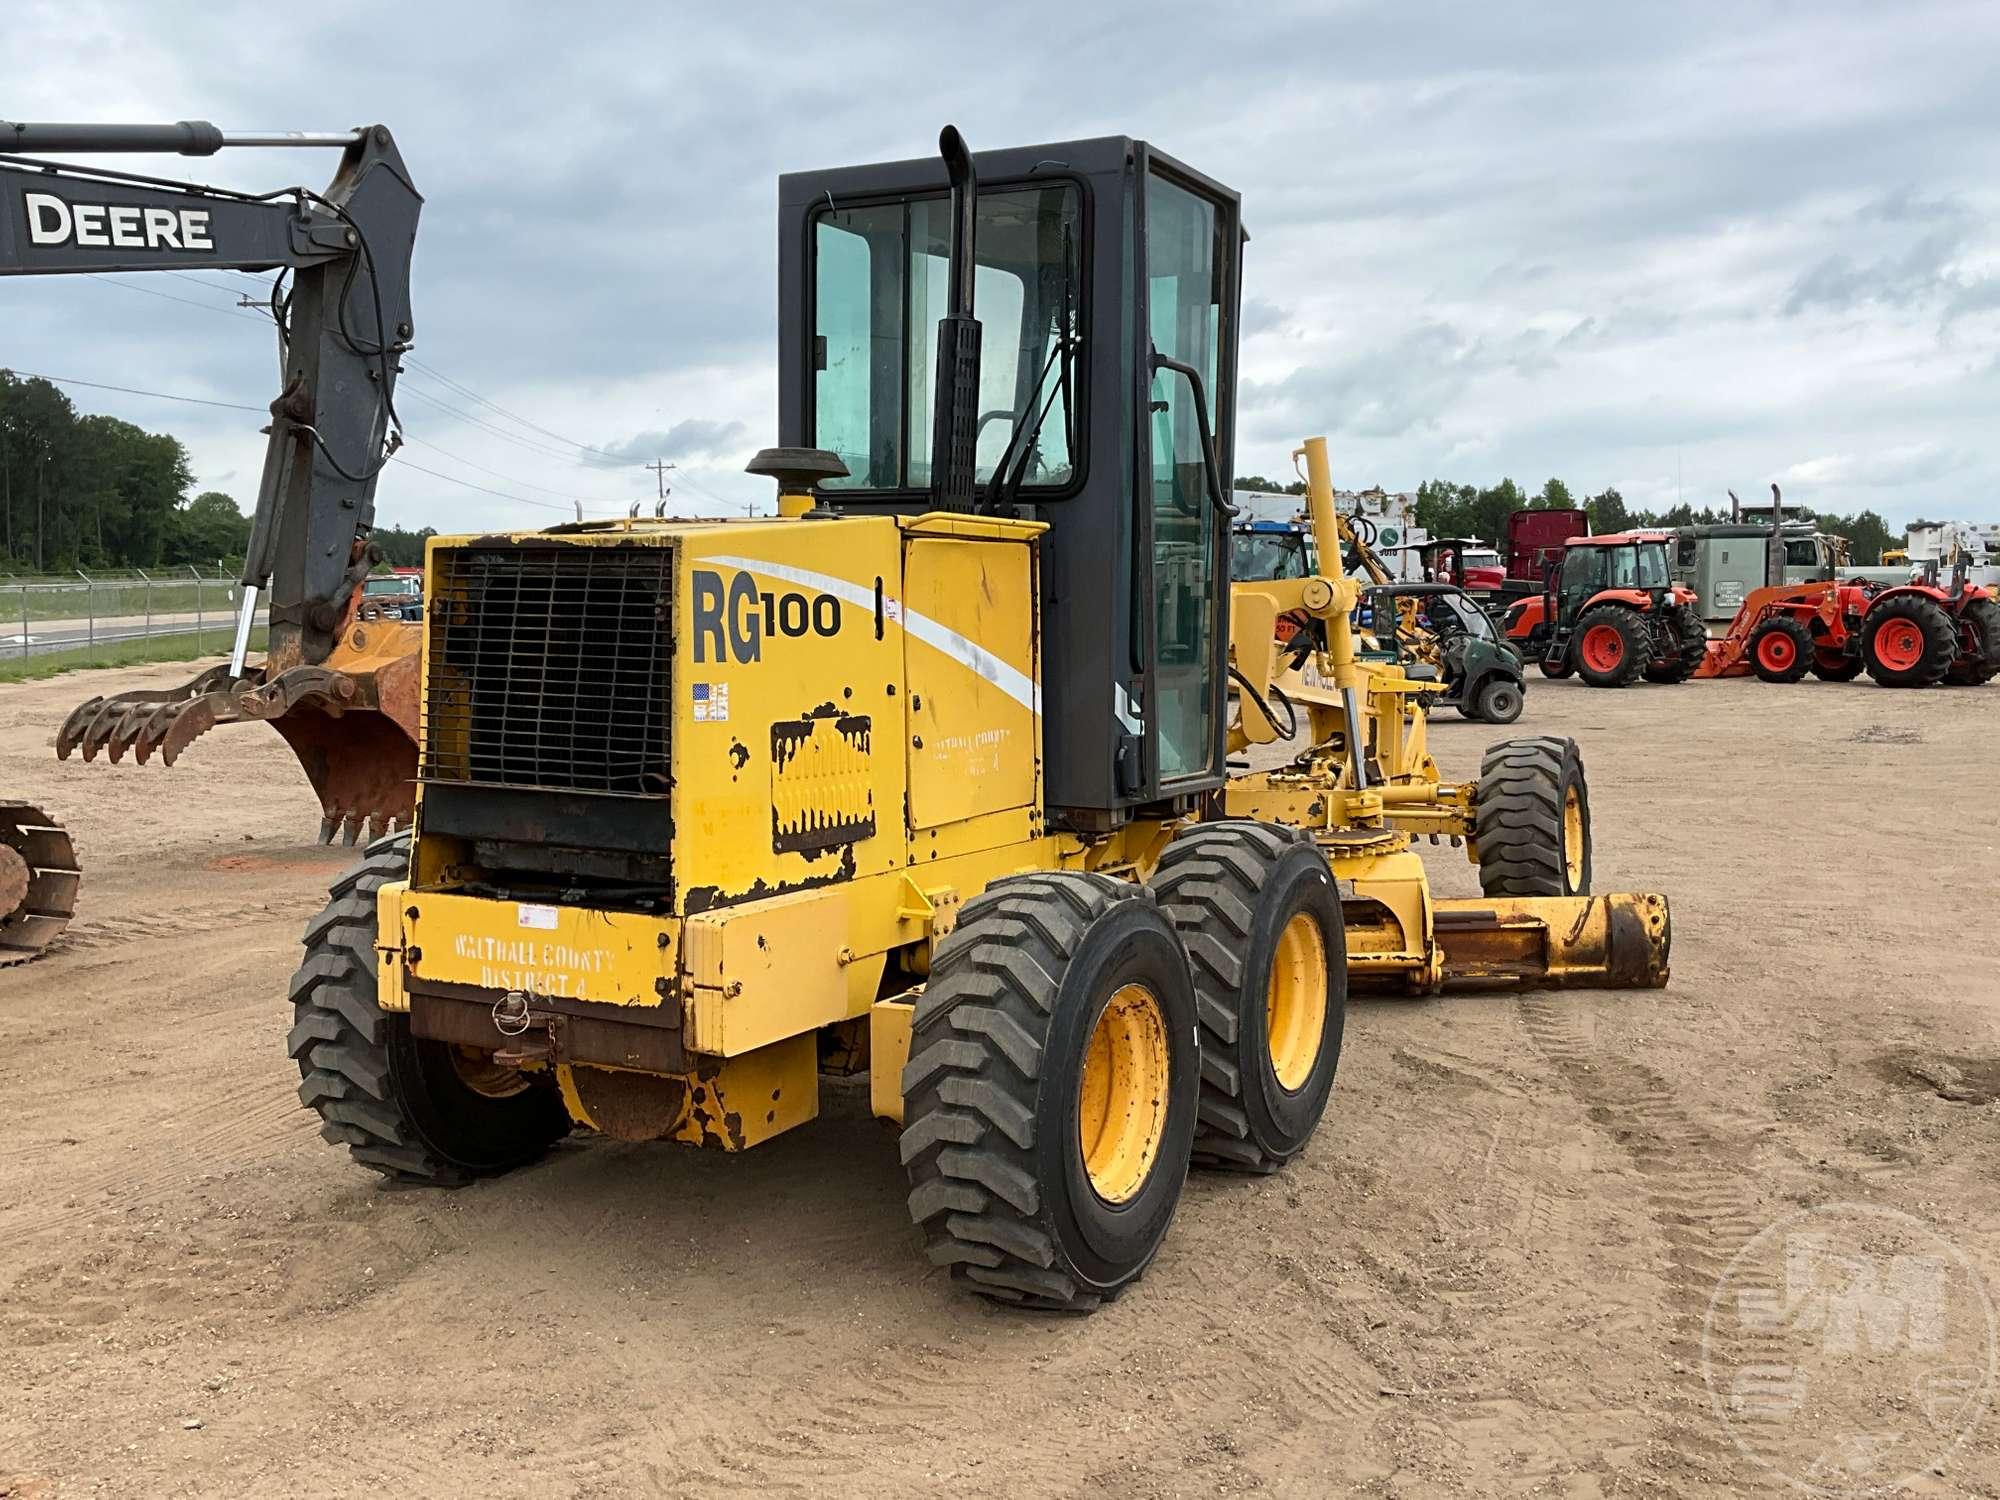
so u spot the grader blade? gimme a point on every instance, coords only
(1613, 942)
(38, 881)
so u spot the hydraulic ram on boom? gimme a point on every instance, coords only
(340, 686)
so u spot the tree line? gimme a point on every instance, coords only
(1464, 510)
(81, 491)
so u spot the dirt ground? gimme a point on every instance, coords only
(1491, 1272)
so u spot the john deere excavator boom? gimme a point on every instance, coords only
(341, 688)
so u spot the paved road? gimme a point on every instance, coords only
(66, 635)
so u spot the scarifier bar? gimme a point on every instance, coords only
(38, 881)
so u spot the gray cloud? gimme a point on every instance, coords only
(692, 439)
(1621, 245)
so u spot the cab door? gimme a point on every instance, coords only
(1191, 244)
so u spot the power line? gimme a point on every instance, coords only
(484, 490)
(512, 478)
(471, 394)
(153, 291)
(97, 385)
(529, 443)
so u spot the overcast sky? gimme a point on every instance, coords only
(1671, 248)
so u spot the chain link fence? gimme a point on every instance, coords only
(82, 612)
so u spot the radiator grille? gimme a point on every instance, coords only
(548, 667)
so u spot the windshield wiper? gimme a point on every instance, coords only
(1005, 485)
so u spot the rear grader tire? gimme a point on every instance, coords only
(1908, 641)
(1979, 659)
(1049, 1099)
(1531, 819)
(1780, 650)
(403, 1105)
(1610, 645)
(1259, 913)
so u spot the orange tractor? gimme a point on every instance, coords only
(1907, 635)
(1609, 612)
(1918, 634)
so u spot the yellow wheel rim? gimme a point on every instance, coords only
(1295, 1002)
(1122, 1099)
(1573, 838)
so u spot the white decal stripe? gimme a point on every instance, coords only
(968, 653)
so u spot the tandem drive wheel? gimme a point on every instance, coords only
(1259, 912)
(1049, 1099)
(415, 1110)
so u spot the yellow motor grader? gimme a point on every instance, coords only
(929, 777)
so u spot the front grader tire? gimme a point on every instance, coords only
(1908, 641)
(1610, 645)
(1049, 1099)
(1780, 650)
(1531, 819)
(400, 1103)
(1259, 913)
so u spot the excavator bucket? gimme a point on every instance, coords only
(351, 720)
(38, 881)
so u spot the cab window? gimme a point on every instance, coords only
(880, 285)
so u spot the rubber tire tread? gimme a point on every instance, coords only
(1518, 817)
(1940, 641)
(1802, 655)
(1690, 649)
(1627, 622)
(970, 1086)
(1208, 883)
(340, 1036)
(1973, 669)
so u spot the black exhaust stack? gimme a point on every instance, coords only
(1774, 549)
(955, 414)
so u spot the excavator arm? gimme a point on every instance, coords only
(342, 691)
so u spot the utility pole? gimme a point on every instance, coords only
(661, 469)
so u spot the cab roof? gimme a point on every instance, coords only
(1621, 538)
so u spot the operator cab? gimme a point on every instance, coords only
(1095, 393)
(1629, 560)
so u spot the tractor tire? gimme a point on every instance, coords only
(1690, 647)
(1259, 913)
(1049, 1101)
(1498, 701)
(1780, 649)
(1531, 819)
(1908, 641)
(403, 1105)
(1555, 669)
(1835, 666)
(1610, 645)
(1979, 660)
